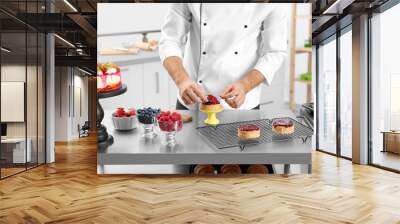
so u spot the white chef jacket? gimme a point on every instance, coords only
(221, 42)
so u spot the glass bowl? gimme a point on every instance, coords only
(170, 128)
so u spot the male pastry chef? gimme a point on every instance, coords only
(224, 49)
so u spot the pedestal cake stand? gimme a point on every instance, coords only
(103, 138)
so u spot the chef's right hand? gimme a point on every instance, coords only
(191, 92)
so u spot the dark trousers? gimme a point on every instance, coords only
(180, 106)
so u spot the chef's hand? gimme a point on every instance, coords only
(234, 94)
(191, 92)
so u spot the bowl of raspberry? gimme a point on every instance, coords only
(170, 123)
(124, 120)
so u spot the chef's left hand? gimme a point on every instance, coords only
(234, 94)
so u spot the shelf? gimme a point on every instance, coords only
(303, 50)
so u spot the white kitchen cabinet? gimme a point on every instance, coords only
(172, 94)
(155, 83)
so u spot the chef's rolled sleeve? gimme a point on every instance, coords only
(174, 31)
(274, 41)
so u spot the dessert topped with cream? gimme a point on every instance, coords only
(108, 77)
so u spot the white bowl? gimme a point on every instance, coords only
(124, 123)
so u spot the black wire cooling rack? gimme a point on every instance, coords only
(225, 135)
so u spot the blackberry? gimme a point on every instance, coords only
(147, 115)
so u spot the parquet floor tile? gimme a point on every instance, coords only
(70, 191)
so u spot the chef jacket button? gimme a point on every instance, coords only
(205, 24)
(204, 52)
(236, 52)
(200, 81)
(245, 26)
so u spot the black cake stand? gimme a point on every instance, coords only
(103, 138)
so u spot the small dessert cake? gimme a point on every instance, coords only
(211, 105)
(283, 126)
(249, 131)
(108, 77)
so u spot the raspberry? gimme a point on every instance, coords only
(131, 112)
(120, 112)
(170, 121)
(212, 99)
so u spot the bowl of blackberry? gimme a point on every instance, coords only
(147, 117)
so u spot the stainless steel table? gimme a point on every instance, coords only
(130, 148)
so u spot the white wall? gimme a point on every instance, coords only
(69, 84)
(33, 126)
(281, 82)
(129, 18)
(17, 73)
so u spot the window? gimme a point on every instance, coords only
(385, 89)
(327, 96)
(346, 92)
(22, 77)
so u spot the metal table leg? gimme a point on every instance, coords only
(286, 168)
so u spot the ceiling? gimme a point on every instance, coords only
(330, 15)
(74, 22)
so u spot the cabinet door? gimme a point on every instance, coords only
(173, 92)
(155, 83)
(132, 76)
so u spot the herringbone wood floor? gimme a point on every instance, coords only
(69, 191)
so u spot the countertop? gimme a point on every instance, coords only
(131, 148)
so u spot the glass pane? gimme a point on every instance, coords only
(13, 85)
(327, 96)
(385, 86)
(41, 98)
(346, 93)
(31, 98)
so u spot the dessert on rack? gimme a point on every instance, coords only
(211, 105)
(108, 77)
(249, 131)
(283, 126)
